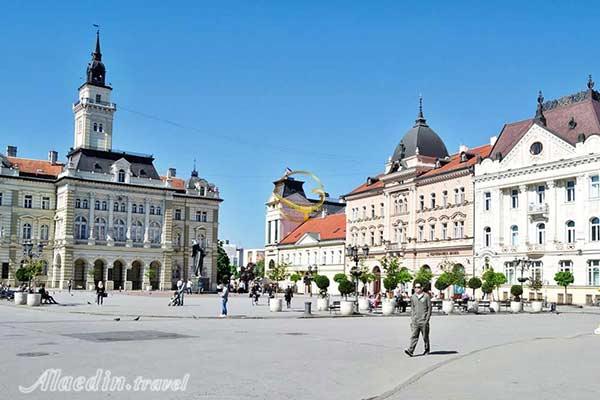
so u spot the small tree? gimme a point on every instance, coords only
(150, 274)
(366, 277)
(345, 287)
(499, 280)
(29, 272)
(487, 288)
(295, 277)
(322, 283)
(277, 274)
(536, 285)
(516, 291)
(474, 283)
(340, 277)
(444, 281)
(390, 283)
(259, 269)
(564, 279)
(423, 276)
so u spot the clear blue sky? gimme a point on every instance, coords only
(262, 85)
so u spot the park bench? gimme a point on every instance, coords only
(335, 306)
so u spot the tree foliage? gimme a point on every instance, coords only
(322, 283)
(295, 277)
(259, 269)
(339, 277)
(564, 279)
(516, 291)
(536, 284)
(345, 287)
(223, 263)
(424, 276)
(278, 273)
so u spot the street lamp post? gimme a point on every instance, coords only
(309, 277)
(523, 264)
(353, 253)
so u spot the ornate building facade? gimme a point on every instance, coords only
(537, 199)
(104, 214)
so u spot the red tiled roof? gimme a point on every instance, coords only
(585, 113)
(36, 167)
(176, 183)
(330, 227)
(365, 187)
(455, 163)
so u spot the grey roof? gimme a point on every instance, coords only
(101, 161)
(420, 136)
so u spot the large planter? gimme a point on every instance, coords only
(473, 306)
(346, 307)
(275, 305)
(388, 306)
(322, 304)
(363, 304)
(516, 306)
(34, 299)
(536, 306)
(148, 288)
(20, 298)
(447, 306)
(494, 306)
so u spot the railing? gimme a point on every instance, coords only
(538, 208)
(87, 100)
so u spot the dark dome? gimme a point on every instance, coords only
(420, 136)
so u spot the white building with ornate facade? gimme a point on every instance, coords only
(537, 199)
(104, 214)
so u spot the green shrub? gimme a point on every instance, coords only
(390, 283)
(444, 281)
(295, 277)
(340, 277)
(474, 283)
(516, 291)
(322, 283)
(23, 274)
(487, 287)
(345, 287)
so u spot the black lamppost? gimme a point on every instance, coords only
(353, 253)
(308, 278)
(523, 264)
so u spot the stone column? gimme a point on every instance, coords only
(524, 205)
(129, 242)
(581, 223)
(110, 240)
(551, 200)
(500, 227)
(91, 240)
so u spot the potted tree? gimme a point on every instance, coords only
(346, 287)
(564, 279)
(295, 277)
(322, 283)
(22, 275)
(516, 305)
(277, 274)
(365, 277)
(150, 275)
(34, 269)
(443, 282)
(496, 279)
(388, 304)
(474, 283)
(423, 276)
(488, 288)
(535, 285)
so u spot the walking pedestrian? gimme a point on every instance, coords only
(420, 313)
(189, 286)
(100, 293)
(69, 286)
(224, 298)
(288, 296)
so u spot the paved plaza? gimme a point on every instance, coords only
(255, 354)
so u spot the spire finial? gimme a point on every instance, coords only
(590, 82)
(194, 172)
(420, 118)
(539, 114)
(97, 55)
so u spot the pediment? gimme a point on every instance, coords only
(308, 238)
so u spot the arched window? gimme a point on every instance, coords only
(487, 235)
(514, 235)
(100, 128)
(137, 232)
(116, 206)
(120, 230)
(95, 127)
(84, 204)
(44, 232)
(104, 206)
(158, 211)
(154, 232)
(100, 229)
(123, 207)
(151, 210)
(595, 229)
(141, 208)
(570, 236)
(97, 205)
(80, 228)
(77, 203)
(541, 233)
(134, 208)
(26, 232)
(178, 240)
(121, 176)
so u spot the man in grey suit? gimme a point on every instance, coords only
(420, 313)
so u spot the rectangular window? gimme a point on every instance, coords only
(364, 212)
(372, 238)
(445, 198)
(4, 270)
(462, 195)
(595, 187)
(432, 200)
(372, 210)
(98, 98)
(269, 232)
(276, 223)
(0, 198)
(594, 273)
(421, 229)
(381, 210)
(514, 198)
(421, 202)
(199, 216)
(177, 214)
(541, 194)
(570, 191)
(444, 231)
(432, 232)
(487, 201)
(380, 238)
(28, 201)
(566, 266)
(204, 218)
(456, 196)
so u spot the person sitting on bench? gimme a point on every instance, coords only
(46, 296)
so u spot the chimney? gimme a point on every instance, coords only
(11, 151)
(171, 173)
(52, 156)
(493, 140)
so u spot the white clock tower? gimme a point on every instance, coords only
(94, 111)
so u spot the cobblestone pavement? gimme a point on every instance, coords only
(256, 354)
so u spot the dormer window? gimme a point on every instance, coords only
(97, 167)
(142, 172)
(121, 176)
(202, 191)
(463, 157)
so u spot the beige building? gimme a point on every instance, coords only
(420, 208)
(104, 214)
